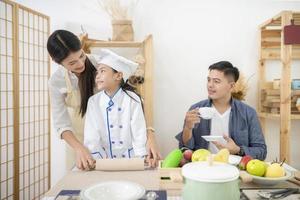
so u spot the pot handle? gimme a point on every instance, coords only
(245, 177)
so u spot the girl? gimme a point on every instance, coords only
(115, 125)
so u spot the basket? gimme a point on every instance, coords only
(170, 179)
(122, 30)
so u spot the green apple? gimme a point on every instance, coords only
(200, 155)
(256, 167)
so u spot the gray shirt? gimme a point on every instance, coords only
(244, 129)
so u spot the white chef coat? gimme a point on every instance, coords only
(219, 127)
(115, 127)
(58, 92)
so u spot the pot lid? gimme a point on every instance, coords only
(217, 172)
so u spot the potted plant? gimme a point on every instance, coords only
(119, 14)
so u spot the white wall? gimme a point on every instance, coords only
(188, 37)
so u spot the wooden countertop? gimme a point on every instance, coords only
(78, 180)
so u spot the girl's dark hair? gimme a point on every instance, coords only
(126, 87)
(60, 45)
(227, 68)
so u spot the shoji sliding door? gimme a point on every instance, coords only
(33, 75)
(8, 162)
(25, 130)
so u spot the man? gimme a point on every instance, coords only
(234, 120)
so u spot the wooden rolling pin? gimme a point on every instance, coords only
(120, 164)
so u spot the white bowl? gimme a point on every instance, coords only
(271, 181)
(113, 190)
(234, 159)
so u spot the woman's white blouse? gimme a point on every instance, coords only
(58, 90)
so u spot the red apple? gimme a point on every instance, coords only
(187, 154)
(244, 161)
(183, 161)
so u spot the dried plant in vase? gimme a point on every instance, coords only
(119, 15)
(240, 89)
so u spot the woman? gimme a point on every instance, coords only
(70, 88)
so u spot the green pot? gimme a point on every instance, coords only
(210, 182)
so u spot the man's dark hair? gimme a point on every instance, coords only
(227, 68)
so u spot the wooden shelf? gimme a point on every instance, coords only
(275, 53)
(272, 47)
(114, 44)
(276, 116)
(88, 43)
(276, 21)
(271, 36)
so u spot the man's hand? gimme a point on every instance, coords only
(191, 118)
(84, 160)
(230, 145)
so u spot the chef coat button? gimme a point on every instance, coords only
(123, 156)
(120, 126)
(112, 142)
(121, 142)
(114, 156)
(109, 109)
(119, 109)
(111, 126)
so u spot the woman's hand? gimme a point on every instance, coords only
(153, 151)
(84, 160)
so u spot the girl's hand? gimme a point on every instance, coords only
(153, 152)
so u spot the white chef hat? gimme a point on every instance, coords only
(119, 63)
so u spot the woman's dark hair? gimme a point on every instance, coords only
(60, 45)
(227, 68)
(86, 82)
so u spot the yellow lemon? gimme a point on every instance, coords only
(200, 155)
(222, 156)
